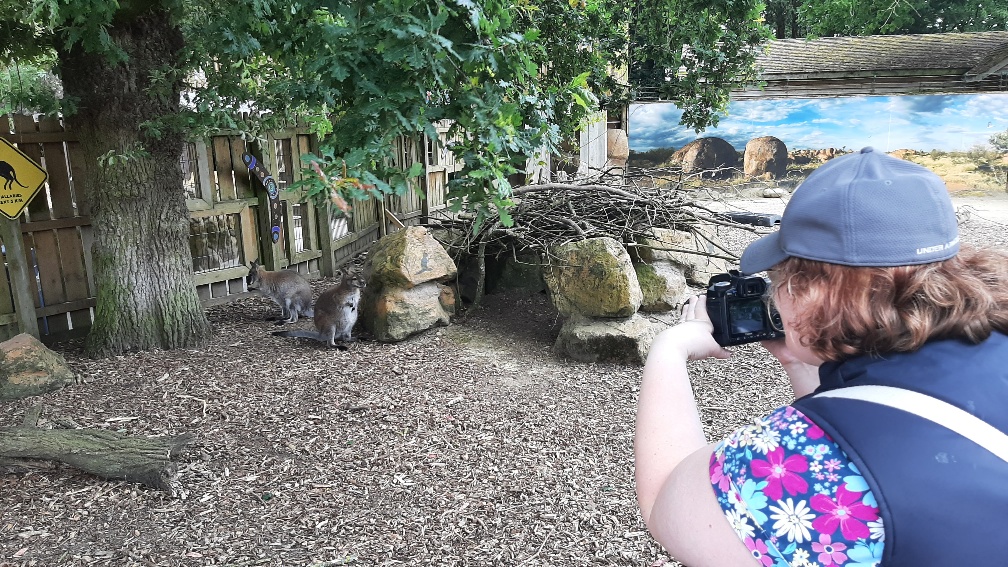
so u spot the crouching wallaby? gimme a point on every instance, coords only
(286, 288)
(335, 312)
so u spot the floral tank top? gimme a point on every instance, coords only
(793, 496)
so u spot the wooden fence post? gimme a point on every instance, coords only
(23, 289)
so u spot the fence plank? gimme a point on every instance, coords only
(78, 171)
(60, 195)
(38, 207)
(6, 299)
(242, 181)
(224, 168)
(47, 256)
(75, 278)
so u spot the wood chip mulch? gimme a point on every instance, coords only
(467, 445)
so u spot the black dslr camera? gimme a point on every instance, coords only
(737, 308)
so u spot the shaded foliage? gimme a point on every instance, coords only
(823, 18)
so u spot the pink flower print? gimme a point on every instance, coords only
(819, 476)
(846, 512)
(829, 552)
(832, 465)
(814, 432)
(832, 477)
(758, 549)
(782, 474)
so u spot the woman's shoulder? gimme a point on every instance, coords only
(789, 490)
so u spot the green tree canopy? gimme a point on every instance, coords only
(823, 18)
(513, 76)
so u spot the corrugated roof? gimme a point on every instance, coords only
(883, 54)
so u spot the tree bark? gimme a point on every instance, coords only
(143, 267)
(107, 454)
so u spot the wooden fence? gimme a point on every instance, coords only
(228, 221)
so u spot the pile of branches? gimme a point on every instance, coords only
(627, 208)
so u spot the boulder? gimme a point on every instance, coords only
(28, 368)
(662, 284)
(687, 254)
(408, 258)
(765, 157)
(826, 154)
(712, 155)
(593, 278)
(394, 314)
(624, 340)
(404, 294)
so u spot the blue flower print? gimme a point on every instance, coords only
(865, 555)
(857, 483)
(755, 500)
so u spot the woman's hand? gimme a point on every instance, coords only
(692, 337)
(780, 350)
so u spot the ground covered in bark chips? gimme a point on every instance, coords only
(466, 445)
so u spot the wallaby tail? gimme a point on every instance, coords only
(303, 335)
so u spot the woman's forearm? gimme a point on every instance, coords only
(668, 425)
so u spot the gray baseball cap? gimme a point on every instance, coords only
(862, 209)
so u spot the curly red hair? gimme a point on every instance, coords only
(849, 311)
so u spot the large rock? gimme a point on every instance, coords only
(408, 258)
(594, 278)
(662, 284)
(394, 314)
(606, 340)
(765, 157)
(404, 294)
(685, 250)
(28, 368)
(712, 155)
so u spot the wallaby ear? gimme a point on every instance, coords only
(339, 273)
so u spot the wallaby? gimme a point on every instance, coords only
(286, 288)
(335, 312)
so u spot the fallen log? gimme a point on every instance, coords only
(107, 454)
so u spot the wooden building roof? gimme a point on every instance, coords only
(882, 65)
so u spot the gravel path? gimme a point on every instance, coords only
(468, 445)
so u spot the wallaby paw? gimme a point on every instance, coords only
(280, 322)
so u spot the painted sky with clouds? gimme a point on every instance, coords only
(925, 122)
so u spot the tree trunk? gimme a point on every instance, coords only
(143, 267)
(102, 453)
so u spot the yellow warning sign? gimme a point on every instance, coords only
(20, 180)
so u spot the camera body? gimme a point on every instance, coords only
(736, 306)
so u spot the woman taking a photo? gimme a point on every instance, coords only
(894, 451)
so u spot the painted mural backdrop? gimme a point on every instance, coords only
(925, 122)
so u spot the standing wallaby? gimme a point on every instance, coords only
(335, 312)
(286, 288)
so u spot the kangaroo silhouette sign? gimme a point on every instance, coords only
(20, 180)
